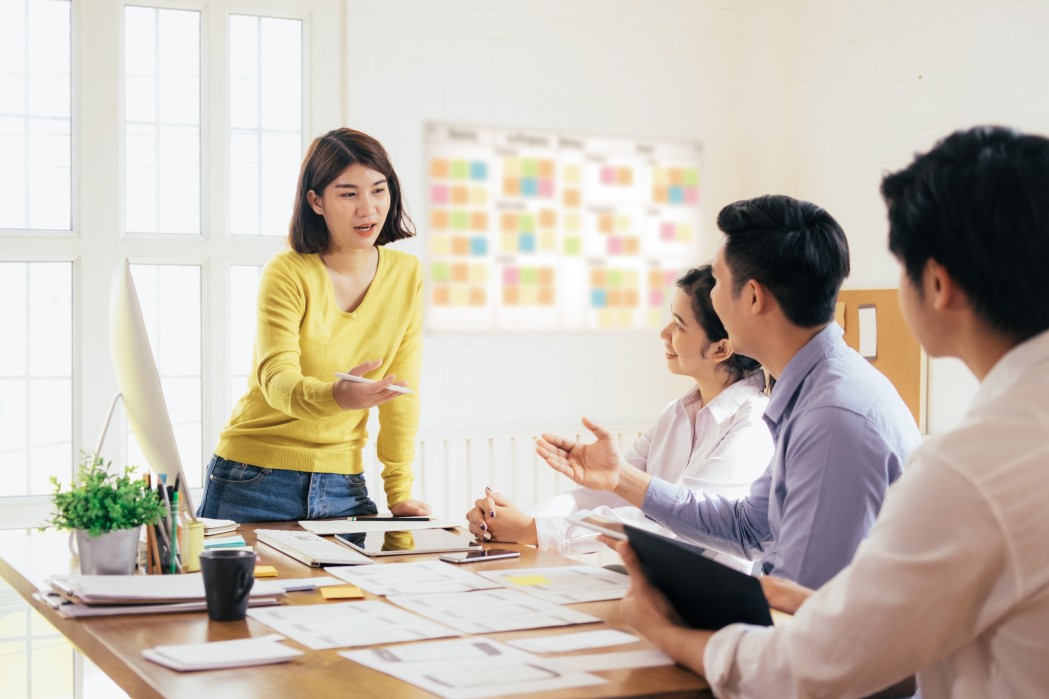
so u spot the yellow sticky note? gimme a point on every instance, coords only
(265, 572)
(527, 580)
(342, 592)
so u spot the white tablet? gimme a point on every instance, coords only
(605, 525)
(361, 379)
(402, 543)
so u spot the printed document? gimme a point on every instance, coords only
(564, 585)
(470, 668)
(349, 624)
(424, 577)
(489, 611)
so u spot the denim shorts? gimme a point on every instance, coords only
(246, 493)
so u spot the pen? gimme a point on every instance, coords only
(410, 518)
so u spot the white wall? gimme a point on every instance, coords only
(875, 82)
(663, 69)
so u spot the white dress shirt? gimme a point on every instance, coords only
(953, 581)
(725, 450)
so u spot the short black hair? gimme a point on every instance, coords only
(697, 284)
(328, 156)
(978, 204)
(794, 248)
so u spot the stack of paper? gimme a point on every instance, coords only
(220, 654)
(226, 542)
(101, 595)
(217, 526)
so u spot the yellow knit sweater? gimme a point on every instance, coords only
(288, 419)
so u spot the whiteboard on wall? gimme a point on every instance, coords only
(532, 230)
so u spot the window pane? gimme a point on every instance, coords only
(170, 300)
(35, 97)
(162, 120)
(36, 391)
(243, 294)
(265, 122)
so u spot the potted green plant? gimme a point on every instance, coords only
(105, 511)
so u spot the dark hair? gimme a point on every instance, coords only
(794, 248)
(325, 160)
(978, 204)
(697, 283)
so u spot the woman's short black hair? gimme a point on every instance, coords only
(794, 248)
(697, 284)
(978, 204)
(328, 156)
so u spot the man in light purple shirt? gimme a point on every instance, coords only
(841, 430)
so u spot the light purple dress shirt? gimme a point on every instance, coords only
(842, 434)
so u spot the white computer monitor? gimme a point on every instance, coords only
(139, 382)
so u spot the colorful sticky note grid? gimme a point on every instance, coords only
(617, 175)
(671, 232)
(675, 185)
(458, 169)
(528, 232)
(528, 177)
(660, 282)
(528, 286)
(614, 288)
(459, 283)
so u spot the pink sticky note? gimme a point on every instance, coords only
(439, 194)
(655, 298)
(608, 174)
(615, 245)
(546, 188)
(691, 195)
(510, 276)
(666, 230)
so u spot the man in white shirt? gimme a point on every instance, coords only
(953, 581)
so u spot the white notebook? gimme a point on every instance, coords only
(241, 652)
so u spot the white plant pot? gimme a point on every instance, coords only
(112, 553)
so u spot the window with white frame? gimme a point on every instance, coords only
(152, 182)
(35, 120)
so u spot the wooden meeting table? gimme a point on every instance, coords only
(115, 643)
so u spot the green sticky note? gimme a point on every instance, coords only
(460, 220)
(439, 271)
(460, 169)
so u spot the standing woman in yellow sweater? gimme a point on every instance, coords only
(337, 301)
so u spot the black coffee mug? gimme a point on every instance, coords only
(228, 577)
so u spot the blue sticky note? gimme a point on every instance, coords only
(478, 246)
(676, 195)
(597, 298)
(529, 186)
(478, 171)
(526, 243)
(224, 542)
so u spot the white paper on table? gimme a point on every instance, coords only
(470, 668)
(597, 662)
(345, 526)
(322, 626)
(868, 331)
(568, 642)
(564, 584)
(488, 611)
(416, 578)
(299, 584)
(240, 652)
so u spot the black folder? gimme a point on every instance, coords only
(705, 593)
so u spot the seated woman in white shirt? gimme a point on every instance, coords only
(711, 439)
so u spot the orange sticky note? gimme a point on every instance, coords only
(265, 572)
(342, 592)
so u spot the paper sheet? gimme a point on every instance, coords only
(416, 578)
(241, 652)
(568, 642)
(565, 584)
(597, 662)
(868, 332)
(489, 611)
(470, 668)
(348, 624)
(345, 526)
